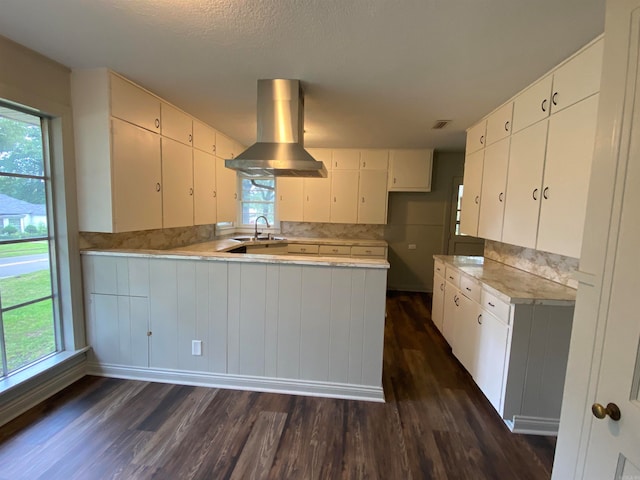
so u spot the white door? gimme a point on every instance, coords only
(614, 446)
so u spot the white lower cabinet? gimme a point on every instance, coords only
(516, 353)
(437, 304)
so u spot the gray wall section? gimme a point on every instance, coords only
(421, 219)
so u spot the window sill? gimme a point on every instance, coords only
(18, 379)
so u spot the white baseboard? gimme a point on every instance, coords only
(33, 396)
(242, 382)
(534, 425)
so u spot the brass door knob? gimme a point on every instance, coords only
(601, 412)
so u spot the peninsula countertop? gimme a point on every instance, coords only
(218, 250)
(510, 284)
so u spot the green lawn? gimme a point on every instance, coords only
(25, 248)
(28, 331)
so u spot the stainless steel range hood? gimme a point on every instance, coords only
(279, 148)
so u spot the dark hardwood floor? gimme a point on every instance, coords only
(434, 424)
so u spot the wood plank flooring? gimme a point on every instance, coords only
(435, 425)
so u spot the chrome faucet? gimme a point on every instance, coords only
(256, 225)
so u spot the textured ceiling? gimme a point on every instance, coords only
(376, 73)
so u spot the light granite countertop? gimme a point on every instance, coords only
(217, 250)
(511, 284)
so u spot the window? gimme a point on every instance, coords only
(458, 209)
(257, 198)
(28, 325)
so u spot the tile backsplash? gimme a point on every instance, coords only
(148, 239)
(554, 267)
(332, 230)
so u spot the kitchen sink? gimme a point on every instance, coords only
(260, 238)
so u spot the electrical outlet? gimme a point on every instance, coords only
(412, 246)
(196, 347)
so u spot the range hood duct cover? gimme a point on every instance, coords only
(279, 148)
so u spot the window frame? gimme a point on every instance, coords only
(241, 202)
(50, 238)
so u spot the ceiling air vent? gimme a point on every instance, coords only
(440, 124)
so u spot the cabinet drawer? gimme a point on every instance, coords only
(494, 305)
(368, 252)
(438, 267)
(335, 250)
(452, 275)
(304, 249)
(470, 287)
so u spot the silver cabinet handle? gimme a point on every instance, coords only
(468, 289)
(450, 277)
(214, 148)
(456, 300)
(362, 199)
(394, 180)
(364, 164)
(157, 187)
(334, 199)
(442, 287)
(533, 194)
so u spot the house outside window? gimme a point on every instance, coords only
(29, 329)
(257, 198)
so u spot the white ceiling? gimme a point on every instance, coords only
(376, 73)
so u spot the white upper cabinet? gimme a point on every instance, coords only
(137, 180)
(494, 184)
(499, 123)
(344, 195)
(578, 78)
(204, 137)
(470, 213)
(372, 197)
(476, 137)
(524, 185)
(532, 105)
(227, 188)
(410, 170)
(323, 155)
(346, 159)
(204, 188)
(289, 199)
(176, 124)
(317, 195)
(134, 104)
(374, 160)
(225, 147)
(566, 178)
(177, 192)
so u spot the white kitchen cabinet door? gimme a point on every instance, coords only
(476, 137)
(137, 175)
(499, 123)
(227, 188)
(466, 333)
(225, 146)
(437, 307)
(176, 124)
(451, 309)
(372, 197)
(134, 105)
(323, 155)
(533, 104)
(345, 159)
(491, 357)
(578, 78)
(524, 185)
(471, 193)
(374, 159)
(177, 192)
(205, 202)
(290, 191)
(410, 170)
(163, 314)
(204, 137)
(494, 185)
(317, 196)
(344, 195)
(566, 178)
